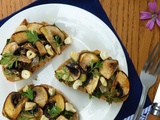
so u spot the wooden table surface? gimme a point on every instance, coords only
(125, 18)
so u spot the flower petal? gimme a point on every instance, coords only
(150, 23)
(152, 6)
(158, 12)
(158, 21)
(145, 15)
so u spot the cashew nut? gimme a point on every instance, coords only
(76, 84)
(49, 50)
(44, 118)
(61, 117)
(104, 55)
(74, 56)
(103, 89)
(103, 81)
(51, 91)
(29, 105)
(25, 88)
(31, 54)
(25, 74)
(69, 107)
(68, 40)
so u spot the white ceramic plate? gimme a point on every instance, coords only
(88, 32)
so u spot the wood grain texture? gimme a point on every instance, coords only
(152, 117)
(138, 40)
(125, 18)
(8, 7)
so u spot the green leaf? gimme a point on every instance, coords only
(94, 65)
(60, 74)
(110, 95)
(54, 24)
(57, 40)
(9, 59)
(64, 72)
(90, 96)
(68, 114)
(97, 93)
(9, 41)
(54, 111)
(29, 93)
(32, 36)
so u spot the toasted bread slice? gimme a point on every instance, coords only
(38, 102)
(95, 73)
(30, 47)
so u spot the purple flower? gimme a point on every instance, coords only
(154, 15)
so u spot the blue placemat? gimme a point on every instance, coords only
(94, 6)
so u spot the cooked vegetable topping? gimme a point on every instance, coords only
(31, 47)
(25, 74)
(94, 66)
(111, 96)
(95, 73)
(54, 111)
(64, 74)
(36, 103)
(9, 59)
(29, 93)
(32, 36)
(57, 40)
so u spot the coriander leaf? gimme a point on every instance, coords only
(68, 114)
(110, 95)
(32, 36)
(90, 96)
(97, 93)
(29, 112)
(94, 65)
(57, 40)
(116, 99)
(60, 75)
(54, 111)
(64, 74)
(54, 24)
(9, 40)
(9, 59)
(29, 93)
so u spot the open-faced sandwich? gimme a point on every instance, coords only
(30, 47)
(95, 73)
(38, 102)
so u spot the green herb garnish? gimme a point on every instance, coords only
(90, 96)
(54, 24)
(9, 41)
(29, 93)
(94, 65)
(97, 93)
(32, 36)
(61, 73)
(9, 59)
(54, 111)
(64, 74)
(68, 114)
(110, 95)
(57, 40)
